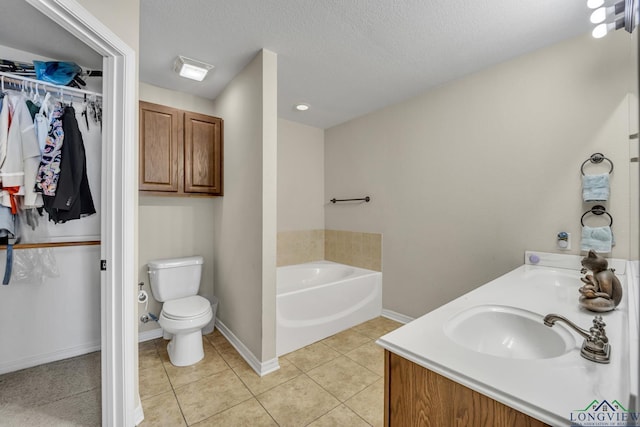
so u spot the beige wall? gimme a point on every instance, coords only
(170, 227)
(466, 177)
(244, 268)
(300, 177)
(269, 201)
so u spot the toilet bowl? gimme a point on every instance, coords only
(175, 282)
(183, 319)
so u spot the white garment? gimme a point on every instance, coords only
(23, 153)
(4, 128)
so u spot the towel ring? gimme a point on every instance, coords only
(596, 158)
(597, 210)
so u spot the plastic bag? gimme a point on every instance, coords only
(57, 72)
(34, 266)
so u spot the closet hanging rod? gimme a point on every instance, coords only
(14, 78)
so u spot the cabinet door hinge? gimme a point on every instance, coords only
(103, 265)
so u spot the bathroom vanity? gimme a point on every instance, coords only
(416, 396)
(487, 358)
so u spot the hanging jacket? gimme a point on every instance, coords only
(73, 196)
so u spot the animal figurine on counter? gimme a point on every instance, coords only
(602, 290)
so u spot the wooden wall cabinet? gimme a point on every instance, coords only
(415, 396)
(181, 153)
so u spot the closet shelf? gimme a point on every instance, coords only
(52, 244)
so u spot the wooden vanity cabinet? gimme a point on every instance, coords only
(415, 396)
(181, 153)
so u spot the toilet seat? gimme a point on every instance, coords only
(186, 308)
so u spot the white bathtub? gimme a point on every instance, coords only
(316, 300)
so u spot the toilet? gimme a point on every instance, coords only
(175, 283)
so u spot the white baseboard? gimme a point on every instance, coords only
(261, 368)
(396, 316)
(139, 413)
(149, 335)
(54, 356)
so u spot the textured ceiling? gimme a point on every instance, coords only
(343, 57)
(347, 57)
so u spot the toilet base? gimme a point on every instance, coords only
(186, 348)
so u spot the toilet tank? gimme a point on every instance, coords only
(173, 278)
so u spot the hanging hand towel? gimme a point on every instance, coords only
(595, 188)
(600, 239)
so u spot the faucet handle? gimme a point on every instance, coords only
(598, 329)
(598, 322)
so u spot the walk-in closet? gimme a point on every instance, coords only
(50, 301)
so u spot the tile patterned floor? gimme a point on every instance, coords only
(335, 382)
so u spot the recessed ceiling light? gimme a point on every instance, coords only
(302, 107)
(191, 68)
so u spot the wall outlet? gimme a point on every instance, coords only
(563, 241)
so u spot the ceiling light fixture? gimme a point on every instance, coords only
(302, 107)
(623, 14)
(191, 68)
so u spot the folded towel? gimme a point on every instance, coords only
(600, 239)
(595, 188)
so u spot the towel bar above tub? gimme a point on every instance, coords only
(365, 199)
(597, 210)
(596, 158)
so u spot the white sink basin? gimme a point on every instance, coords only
(508, 332)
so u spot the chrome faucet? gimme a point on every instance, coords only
(596, 344)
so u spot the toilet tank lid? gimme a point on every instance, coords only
(174, 262)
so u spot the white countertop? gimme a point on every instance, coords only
(550, 390)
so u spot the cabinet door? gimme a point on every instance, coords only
(203, 154)
(161, 131)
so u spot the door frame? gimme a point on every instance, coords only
(120, 400)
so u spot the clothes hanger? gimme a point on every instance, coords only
(85, 107)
